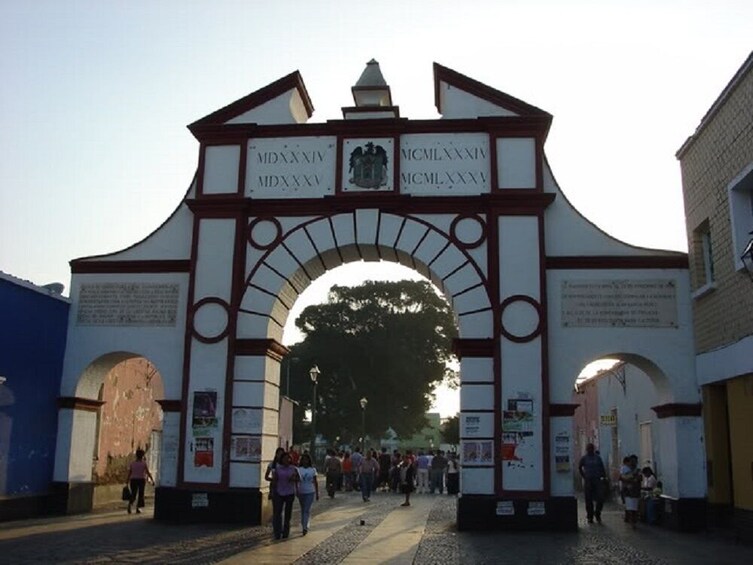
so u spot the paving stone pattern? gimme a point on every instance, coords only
(115, 537)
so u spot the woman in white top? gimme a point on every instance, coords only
(308, 489)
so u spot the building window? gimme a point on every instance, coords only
(740, 192)
(703, 252)
(708, 257)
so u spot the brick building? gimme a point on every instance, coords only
(717, 178)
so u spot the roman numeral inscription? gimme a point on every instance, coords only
(435, 164)
(288, 181)
(289, 157)
(291, 167)
(444, 178)
(444, 154)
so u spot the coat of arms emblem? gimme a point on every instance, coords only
(368, 169)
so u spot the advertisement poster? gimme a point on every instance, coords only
(204, 412)
(245, 448)
(562, 452)
(519, 416)
(478, 452)
(203, 455)
(246, 421)
(471, 425)
(517, 430)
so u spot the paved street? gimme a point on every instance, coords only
(422, 534)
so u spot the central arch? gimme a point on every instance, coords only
(284, 268)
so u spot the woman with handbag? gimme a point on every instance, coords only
(285, 483)
(138, 473)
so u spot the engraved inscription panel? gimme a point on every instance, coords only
(295, 167)
(444, 164)
(619, 303)
(127, 304)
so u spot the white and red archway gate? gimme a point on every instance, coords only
(469, 201)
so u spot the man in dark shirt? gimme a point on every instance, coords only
(592, 470)
(437, 471)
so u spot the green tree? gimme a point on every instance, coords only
(451, 430)
(388, 342)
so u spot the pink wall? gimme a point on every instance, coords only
(128, 417)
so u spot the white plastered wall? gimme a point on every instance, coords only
(91, 351)
(665, 354)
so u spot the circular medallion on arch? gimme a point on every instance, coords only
(521, 318)
(210, 320)
(264, 233)
(468, 230)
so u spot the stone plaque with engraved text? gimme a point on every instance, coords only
(127, 304)
(619, 303)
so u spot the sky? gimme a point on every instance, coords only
(95, 96)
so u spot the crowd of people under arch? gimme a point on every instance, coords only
(291, 475)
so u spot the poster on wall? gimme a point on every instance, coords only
(204, 412)
(246, 421)
(203, 455)
(478, 452)
(245, 448)
(562, 452)
(517, 432)
(471, 426)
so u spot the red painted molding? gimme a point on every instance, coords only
(504, 202)
(539, 312)
(77, 403)
(677, 409)
(679, 261)
(152, 266)
(563, 409)
(171, 405)
(496, 97)
(500, 126)
(255, 99)
(473, 348)
(269, 347)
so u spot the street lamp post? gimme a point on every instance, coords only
(363, 403)
(314, 374)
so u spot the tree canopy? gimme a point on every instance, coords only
(388, 342)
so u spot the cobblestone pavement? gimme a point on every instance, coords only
(114, 537)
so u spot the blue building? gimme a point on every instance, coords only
(33, 326)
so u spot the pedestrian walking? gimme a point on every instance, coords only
(332, 472)
(384, 469)
(308, 490)
(395, 471)
(437, 470)
(407, 474)
(453, 475)
(356, 459)
(348, 471)
(138, 473)
(285, 479)
(422, 466)
(592, 470)
(269, 474)
(369, 473)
